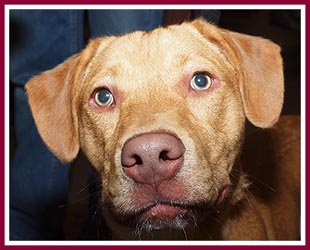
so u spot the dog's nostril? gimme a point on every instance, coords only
(137, 159)
(164, 155)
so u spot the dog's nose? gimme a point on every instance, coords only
(152, 158)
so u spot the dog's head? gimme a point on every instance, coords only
(160, 115)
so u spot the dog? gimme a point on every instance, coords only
(161, 117)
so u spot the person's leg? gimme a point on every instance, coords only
(38, 181)
(118, 22)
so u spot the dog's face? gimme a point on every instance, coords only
(158, 125)
(160, 116)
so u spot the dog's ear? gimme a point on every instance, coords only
(262, 83)
(260, 68)
(54, 110)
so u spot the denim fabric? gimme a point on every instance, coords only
(39, 40)
(118, 22)
(38, 183)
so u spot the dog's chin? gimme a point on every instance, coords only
(163, 216)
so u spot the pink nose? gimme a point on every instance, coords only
(152, 158)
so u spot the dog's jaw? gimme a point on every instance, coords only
(151, 220)
(173, 220)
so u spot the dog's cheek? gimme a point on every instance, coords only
(96, 131)
(114, 192)
(100, 147)
(219, 129)
(204, 175)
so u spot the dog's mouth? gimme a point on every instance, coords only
(162, 214)
(167, 215)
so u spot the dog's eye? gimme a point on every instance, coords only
(104, 97)
(201, 81)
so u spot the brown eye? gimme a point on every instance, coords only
(104, 97)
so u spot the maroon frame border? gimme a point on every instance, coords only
(137, 246)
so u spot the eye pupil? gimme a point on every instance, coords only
(201, 81)
(104, 97)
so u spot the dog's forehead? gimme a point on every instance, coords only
(157, 54)
(142, 49)
(164, 45)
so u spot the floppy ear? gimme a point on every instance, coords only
(262, 83)
(54, 110)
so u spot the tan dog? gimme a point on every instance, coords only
(161, 117)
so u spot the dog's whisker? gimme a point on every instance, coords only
(79, 198)
(263, 183)
(185, 234)
(243, 189)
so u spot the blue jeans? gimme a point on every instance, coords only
(39, 40)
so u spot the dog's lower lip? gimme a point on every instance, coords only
(164, 211)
